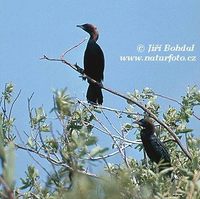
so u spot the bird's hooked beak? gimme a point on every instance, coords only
(139, 122)
(80, 26)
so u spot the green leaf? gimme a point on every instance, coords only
(184, 130)
(30, 142)
(45, 128)
(40, 114)
(31, 178)
(127, 127)
(63, 103)
(91, 140)
(8, 92)
(98, 151)
(2, 151)
(9, 168)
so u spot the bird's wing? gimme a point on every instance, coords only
(160, 150)
(94, 61)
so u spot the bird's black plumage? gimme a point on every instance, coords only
(154, 148)
(93, 64)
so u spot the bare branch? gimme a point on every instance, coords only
(110, 154)
(117, 111)
(12, 105)
(176, 101)
(29, 152)
(110, 134)
(62, 56)
(50, 159)
(81, 71)
(8, 190)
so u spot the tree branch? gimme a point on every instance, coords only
(62, 56)
(81, 71)
(176, 101)
(8, 190)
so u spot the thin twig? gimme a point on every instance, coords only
(110, 154)
(115, 136)
(110, 123)
(12, 105)
(115, 129)
(29, 108)
(51, 160)
(8, 190)
(110, 134)
(117, 111)
(62, 56)
(176, 101)
(31, 154)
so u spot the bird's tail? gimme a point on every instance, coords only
(94, 94)
(167, 168)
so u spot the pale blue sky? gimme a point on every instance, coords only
(30, 29)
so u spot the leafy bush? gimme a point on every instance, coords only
(71, 143)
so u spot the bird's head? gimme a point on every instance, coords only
(91, 29)
(146, 123)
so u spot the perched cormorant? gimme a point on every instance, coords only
(93, 64)
(154, 148)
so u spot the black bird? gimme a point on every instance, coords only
(154, 148)
(93, 64)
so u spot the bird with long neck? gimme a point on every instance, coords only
(93, 64)
(154, 148)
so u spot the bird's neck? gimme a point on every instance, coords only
(148, 131)
(94, 36)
